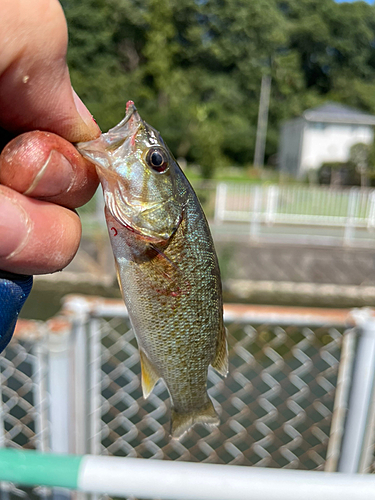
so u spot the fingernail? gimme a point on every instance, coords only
(15, 227)
(45, 180)
(84, 113)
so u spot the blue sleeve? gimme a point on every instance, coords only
(14, 290)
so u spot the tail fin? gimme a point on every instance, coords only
(181, 422)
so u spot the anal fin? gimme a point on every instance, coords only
(149, 375)
(220, 362)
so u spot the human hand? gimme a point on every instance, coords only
(42, 176)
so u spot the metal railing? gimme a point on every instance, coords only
(274, 204)
(168, 480)
(299, 393)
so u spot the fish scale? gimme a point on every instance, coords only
(166, 264)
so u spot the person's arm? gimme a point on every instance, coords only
(42, 177)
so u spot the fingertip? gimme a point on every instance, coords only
(90, 130)
(45, 166)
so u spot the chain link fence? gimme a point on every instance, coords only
(275, 405)
(73, 385)
(24, 401)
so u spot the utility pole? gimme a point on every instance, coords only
(264, 103)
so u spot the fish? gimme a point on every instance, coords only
(166, 264)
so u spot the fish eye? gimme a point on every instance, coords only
(157, 159)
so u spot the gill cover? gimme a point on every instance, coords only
(138, 176)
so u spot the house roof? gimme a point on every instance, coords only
(338, 113)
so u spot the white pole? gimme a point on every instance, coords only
(95, 386)
(257, 192)
(59, 389)
(350, 218)
(79, 379)
(272, 200)
(361, 394)
(41, 391)
(344, 378)
(60, 392)
(264, 103)
(220, 202)
(168, 480)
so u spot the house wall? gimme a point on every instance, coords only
(290, 146)
(326, 142)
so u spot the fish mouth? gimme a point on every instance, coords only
(115, 137)
(128, 127)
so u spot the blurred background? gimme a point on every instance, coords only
(269, 107)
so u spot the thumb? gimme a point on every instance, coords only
(35, 89)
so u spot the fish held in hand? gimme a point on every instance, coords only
(166, 266)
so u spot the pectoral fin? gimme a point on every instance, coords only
(220, 363)
(149, 375)
(173, 281)
(118, 275)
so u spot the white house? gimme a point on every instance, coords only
(322, 134)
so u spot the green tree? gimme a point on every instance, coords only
(360, 156)
(194, 68)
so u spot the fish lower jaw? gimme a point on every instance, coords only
(137, 232)
(143, 233)
(148, 237)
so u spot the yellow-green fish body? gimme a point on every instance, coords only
(167, 266)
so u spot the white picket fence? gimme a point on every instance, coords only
(322, 210)
(295, 205)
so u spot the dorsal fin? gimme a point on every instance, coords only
(149, 375)
(220, 363)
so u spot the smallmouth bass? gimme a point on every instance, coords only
(166, 266)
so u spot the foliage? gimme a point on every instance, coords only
(336, 174)
(194, 67)
(359, 157)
